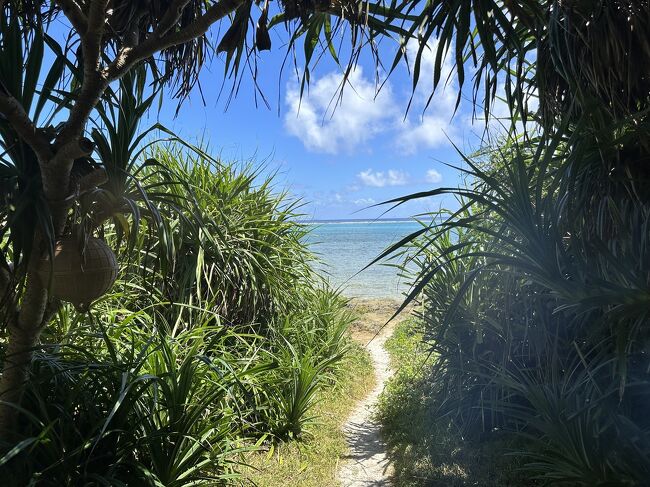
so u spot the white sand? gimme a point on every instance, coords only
(367, 465)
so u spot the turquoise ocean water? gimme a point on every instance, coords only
(347, 246)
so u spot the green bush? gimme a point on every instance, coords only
(535, 301)
(193, 359)
(248, 251)
(434, 453)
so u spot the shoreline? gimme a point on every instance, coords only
(372, 315)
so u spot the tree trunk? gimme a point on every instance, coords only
(22, 338)
(55, 161)
(23, 332)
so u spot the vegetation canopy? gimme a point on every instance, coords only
(73, 150)
(217, 337)
(535, 289)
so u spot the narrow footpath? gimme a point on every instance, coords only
(367, 464)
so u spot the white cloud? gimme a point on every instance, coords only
(364, 201)
(379, 179)
(430, 132)
(499, 122)
(338, 200)
(325, 123)
(434, 125)
(329, 124)
(446, 91)
(433, 176)
(352, 188)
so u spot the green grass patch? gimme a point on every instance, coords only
(313, 461)
(423, 452)
(407, 353)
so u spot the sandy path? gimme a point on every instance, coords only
(367, 464)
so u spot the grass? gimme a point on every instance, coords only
(313, 461)
(423, 454)
(405, 347)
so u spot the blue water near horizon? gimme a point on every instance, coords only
(345, 247)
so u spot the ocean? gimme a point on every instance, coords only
(345, 247)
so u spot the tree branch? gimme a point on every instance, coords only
(93, 84)
(170, 18)
(91, 42)
(74, 14)
(23, 125)
(22, 338)
(93, 180)
(91, 38)
(127, 57)
(91, 91)
(55, 177)
(73, 150)
(5, 281)
(7, 303)
(4, 284)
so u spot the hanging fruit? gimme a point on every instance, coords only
(79, 274)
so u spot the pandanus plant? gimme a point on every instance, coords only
(45, 116)
(536, 289)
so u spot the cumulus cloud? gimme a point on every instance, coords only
(429, 132)
(447, 88)
(364, 201)
(433, 176)
(325, 123)
(329, 124)
(379, 179)
(431, 123)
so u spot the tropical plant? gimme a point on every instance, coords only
(173, 393)
(168, 377)
(536, 288)
(249, 244)
(48, 162)
(535, 308)
(307, 347)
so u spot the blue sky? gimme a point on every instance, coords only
(340, 158)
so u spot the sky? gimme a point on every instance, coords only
(339, 156)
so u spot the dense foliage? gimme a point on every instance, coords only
(536, 290)
(177, 372)
(76, 78)
(537, 316)
(535, 297)
(217, 338)
(424, 449)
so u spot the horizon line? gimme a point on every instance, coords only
(357, 220)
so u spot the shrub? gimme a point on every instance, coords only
(535, 304)
(193, 359)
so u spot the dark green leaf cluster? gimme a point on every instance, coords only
(536, 290)
(535, 297)
(218, 337)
